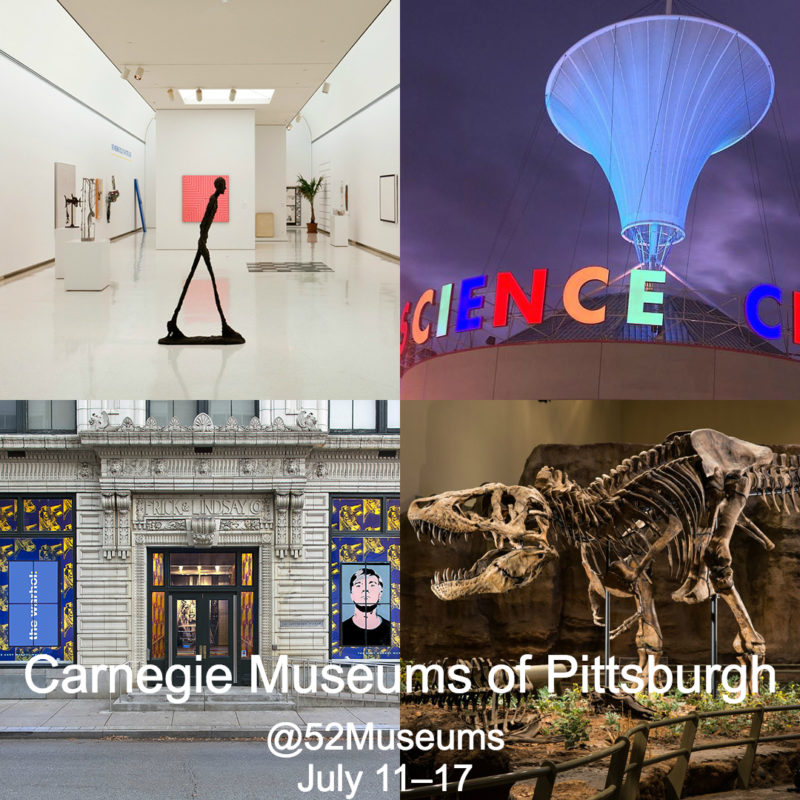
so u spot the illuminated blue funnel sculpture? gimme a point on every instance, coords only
(651, 99)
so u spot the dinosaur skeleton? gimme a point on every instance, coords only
(513, 712)
(516, 713)
(684, 497)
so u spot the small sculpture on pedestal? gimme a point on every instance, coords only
(111, 197)
(229, 335)
(88, 209)
(69, 205)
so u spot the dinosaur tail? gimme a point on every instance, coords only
(778, 483)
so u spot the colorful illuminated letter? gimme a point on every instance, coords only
(404, 326)
(418, 333)
(796, 299)
(572, 295)
(444, 310)
(639, 294)
(756, 295)
(467, 303)
(508, 289)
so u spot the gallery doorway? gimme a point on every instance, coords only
(203, 626)
(203, 609)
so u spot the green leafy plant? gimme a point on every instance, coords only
(309, 190)
(569, 716)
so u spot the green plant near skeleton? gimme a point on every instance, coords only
(569, 714)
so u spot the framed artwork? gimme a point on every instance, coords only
(37, 578)
(365, 597)
(196, 191)
(388, 198)
(293, 205)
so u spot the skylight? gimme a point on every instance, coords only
(221, 97)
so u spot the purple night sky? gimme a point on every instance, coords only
(489, 184)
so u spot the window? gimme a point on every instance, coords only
(366, 416)
(185, 411)
(37, 578)
(365, 577)
(37, 416)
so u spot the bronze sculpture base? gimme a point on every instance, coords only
(177, 336)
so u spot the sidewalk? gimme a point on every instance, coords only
(91, 719)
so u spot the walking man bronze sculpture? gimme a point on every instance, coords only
(174, 333)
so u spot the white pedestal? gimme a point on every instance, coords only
(339, 230)
(87, 265)
(64, 235)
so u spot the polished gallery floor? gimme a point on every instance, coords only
(310, 332)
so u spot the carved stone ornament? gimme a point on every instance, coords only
(306, 421)
(203, 467)
(115, 467)
(296, 530)
(127, 425)
(293, 467)
(281, 524)
(99, 422)
(202, 422)
(159, 466)
(321, 470)
(202, 531)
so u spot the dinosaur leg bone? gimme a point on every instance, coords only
(748, 641)
(697, 586)
(648, 636)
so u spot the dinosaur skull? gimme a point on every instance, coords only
(514, 518)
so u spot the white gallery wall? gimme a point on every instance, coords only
(356, 154)
(355, 131)
(52, 113)
(32, 143)
(271, 175)
(205, 142)
(298, 162)
(44, 37)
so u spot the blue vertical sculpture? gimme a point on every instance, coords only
(652, 99)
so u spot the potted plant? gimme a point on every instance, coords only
(309, 190)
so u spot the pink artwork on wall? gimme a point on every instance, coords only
(196, 191)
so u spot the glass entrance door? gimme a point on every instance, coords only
(202, 625)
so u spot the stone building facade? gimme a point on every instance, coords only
(162, 533)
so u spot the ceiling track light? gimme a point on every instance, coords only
(171, 95)
(125, 74)
(199, 95)
(232, 95)
(298, 118)
(326, 87)
(289, 127)
(138, 74)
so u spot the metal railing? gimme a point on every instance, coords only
(627, 759)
